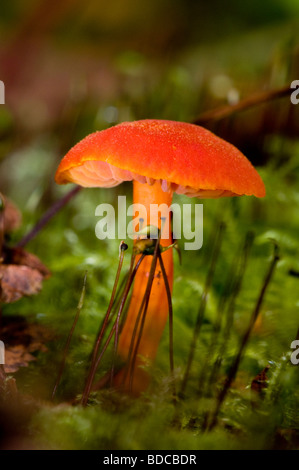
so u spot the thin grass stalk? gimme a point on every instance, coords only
(237, 360)
(170, 320)
(117, 325)
(122, 249)
(97, 360)
(141, 315)
(113, 329)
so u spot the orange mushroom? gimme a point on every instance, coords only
(160, 157)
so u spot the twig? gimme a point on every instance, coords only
(246, 103)
(48, 216)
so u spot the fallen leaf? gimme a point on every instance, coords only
(12, 216)
(19, 256)
(22, 340)
(21, 273)
(16, 357)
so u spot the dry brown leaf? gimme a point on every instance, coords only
(18, 281)
(16, 357)
(21, 273)
(19, 256)
(21, 340)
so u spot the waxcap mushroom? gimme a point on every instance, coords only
(184, 158)
(168, 157)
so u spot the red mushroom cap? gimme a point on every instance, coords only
(184, 157)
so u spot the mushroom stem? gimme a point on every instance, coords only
(158, 307)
